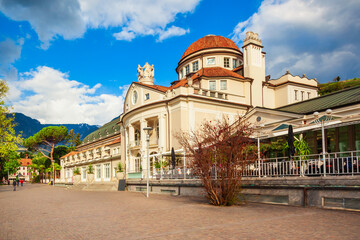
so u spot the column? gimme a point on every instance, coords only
(131, 135)
(162, 131)
(143, 124)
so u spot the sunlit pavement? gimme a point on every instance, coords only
(47, 212)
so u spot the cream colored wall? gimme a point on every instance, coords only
(269, 97)
(254, 67)
(154, 96)
(219, 60)
(285, 94)
(281, 96)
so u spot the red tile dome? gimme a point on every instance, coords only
(210, 41)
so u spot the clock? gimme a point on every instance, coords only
(134, 97)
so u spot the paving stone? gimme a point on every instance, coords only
(44, 212)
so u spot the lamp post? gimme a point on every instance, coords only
(259, 127)
(322, 122)
(147, 129)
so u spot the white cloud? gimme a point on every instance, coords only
(124, 35)
(50, 96)
(318, 38)
(71, 18)
(171, 32)
(10, 51)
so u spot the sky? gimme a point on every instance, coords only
(72, 61)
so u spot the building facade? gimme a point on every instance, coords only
(215, 79)
(101, 149)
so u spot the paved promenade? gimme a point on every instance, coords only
(46, 212)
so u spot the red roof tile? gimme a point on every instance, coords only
(25, 162)
(156, 87)
(117, 140)
(238, 68)
(209, 41)
(216, 72)
(69, 154)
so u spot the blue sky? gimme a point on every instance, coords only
(71, 61)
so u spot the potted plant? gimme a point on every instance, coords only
(90, 174)
(120, 171)
(77, 176)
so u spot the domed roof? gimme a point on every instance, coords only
(210, 41)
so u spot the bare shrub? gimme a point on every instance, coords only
(219, 154)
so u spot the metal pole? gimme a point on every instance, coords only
(184, 167)
(259, 154)
(323, 146)
(53, 173)
(148, 165)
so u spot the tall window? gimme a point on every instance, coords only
(302, 95)
(137, 164)
(227, 62)
(212, 85)
(195, 66)
(83, 174)
(98, 172)
(137, 137)
(296, 94)
(187, 69)
(107, 171)
(309, 95)
(223, 84)
(147, 96)
(234, 63)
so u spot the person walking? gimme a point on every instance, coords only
(14, 184)
(17, 180)
(21, 181)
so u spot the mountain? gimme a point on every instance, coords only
(30, 126)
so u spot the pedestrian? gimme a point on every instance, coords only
(21, 181)
(14, 184)
(17, 180)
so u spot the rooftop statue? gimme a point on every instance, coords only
(146, 73)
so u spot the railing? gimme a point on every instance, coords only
(334, 164)
(211, 93)
(165, 173)
(341, 163)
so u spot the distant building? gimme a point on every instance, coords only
(23, 171)
(100, 148)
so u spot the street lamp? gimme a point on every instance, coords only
(147, 129)
(322, 122)
(259, 127)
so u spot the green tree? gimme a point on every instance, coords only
(9, 141)
(60, 151)
(13, 163)
(73, 139)
(45, 141)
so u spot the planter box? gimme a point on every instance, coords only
(77, 179)
(90, 177)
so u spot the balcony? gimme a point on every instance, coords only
(211, 93)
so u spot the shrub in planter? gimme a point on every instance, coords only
(76, 171)
(90, 169)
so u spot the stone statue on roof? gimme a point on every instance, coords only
(146, 74)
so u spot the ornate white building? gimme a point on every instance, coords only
(215, 78)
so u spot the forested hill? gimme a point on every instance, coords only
(336, 85)
(30, 126)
